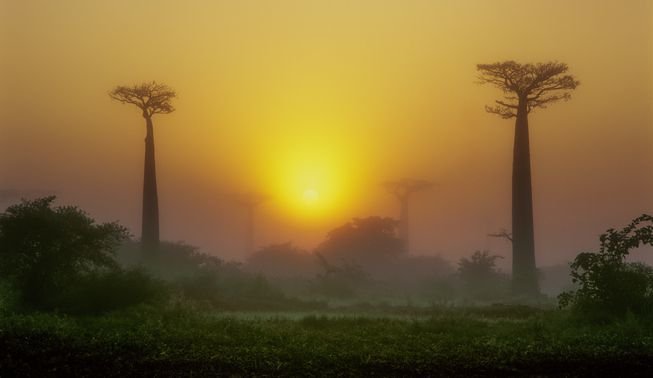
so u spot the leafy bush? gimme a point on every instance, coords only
(102, 292)
(608, 284)
(46, 250)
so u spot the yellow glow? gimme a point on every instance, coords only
(311, 196)
(335, 96)
(311, 176)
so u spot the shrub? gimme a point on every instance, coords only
(102, 292)
(608, 285)
(45, 250)
(481, 278)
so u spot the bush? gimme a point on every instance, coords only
(608, 286)
(481, 278)
(46, 250)
(102, 292)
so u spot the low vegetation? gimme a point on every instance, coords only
(78, 298)
(444, 342)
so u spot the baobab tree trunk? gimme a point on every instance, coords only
(150, 225)
(249, 232)
(524, 275)
(404, 234)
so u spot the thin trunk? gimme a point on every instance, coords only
(150, 225)
(404, 234)
(524, 274)
(249, 235)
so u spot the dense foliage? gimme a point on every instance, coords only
(46, 250)
(607, 283)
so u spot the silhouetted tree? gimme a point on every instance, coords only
(403, 190)
(363, 241)
(250, 201)
(151, 98)
(526, 87)
(45, 250)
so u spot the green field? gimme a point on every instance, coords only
(403, 341)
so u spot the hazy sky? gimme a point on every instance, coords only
(332, 97)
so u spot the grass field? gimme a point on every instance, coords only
(475, 341)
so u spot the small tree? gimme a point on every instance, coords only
(364, 241)
(526, 87)
(45, 250)
(480, 276)
(151, 98)
(607, 284)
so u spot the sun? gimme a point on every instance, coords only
(310, 196)
(311, 178)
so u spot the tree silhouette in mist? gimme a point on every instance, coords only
(364, 241)
(526, 87)
(151, 98)
(403, 190)
(250, 201)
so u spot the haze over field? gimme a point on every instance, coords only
(315, 103)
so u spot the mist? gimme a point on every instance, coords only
(374, 93)
(478, 167)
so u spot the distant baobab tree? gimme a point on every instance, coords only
(151, 98)
(526, 87)
(250, 201)
(403, 190)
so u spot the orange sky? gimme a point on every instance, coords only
(333, 96)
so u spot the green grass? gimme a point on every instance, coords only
(475, 341)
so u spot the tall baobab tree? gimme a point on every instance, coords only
(403, 190)
(250, 201)
(526, 87)
(151, 98)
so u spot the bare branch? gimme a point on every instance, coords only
(503, 112)
(503, 233)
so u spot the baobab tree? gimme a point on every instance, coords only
(403, 190)
(250, 201)
(151, 98)
(526, 87)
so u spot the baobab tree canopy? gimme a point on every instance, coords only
(536, 85)
(405, 187)
(152, 98)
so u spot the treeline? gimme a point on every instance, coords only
(57, 258)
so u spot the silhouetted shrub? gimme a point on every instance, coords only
(481, 278)
(608, 286)
(46, 250)
(102, 292)
(281, 260)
